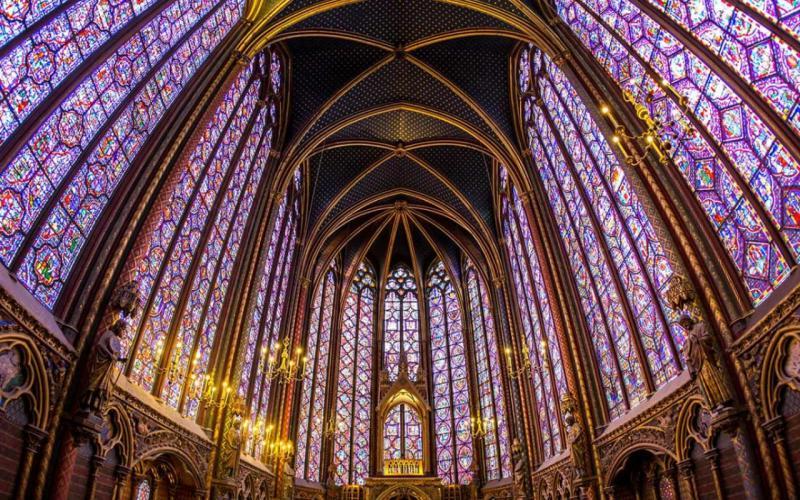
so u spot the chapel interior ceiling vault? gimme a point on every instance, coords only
(384, 105)
(391, 233)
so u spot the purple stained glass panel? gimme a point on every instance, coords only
(450, 386)
(39, 61)
(490, 390)
(641, 264)
(312, 405)
(353, 402)
(731, 148)
(58, 243)
(166, 295)
(401, 322)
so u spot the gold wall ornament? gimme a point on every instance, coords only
(481, 426)
(403, 467)
(232, 439)
(330, 428)
(288, 367)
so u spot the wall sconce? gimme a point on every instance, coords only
(656, 128)
(480, 427)
(290, 368)
(279, 450)
(525, 367)
(330, 428)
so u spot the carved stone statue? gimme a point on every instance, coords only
(520, 463)
(576, 435)
(107, 351)
(702, 354)
(231, 444)
(705, 364)
(105, 355)
(331, 490)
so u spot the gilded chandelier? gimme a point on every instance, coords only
(480, 426)
(657, 137)
(525, 365)
(288, 367)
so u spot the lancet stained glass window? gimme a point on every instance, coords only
(450, 384)
(497, 460)
(183, 258)
(728, 150)
(402, 434)
(401, 322)
(312, 401)
(354, 400)
(143, 490)
(612, 246)
(54, 189)
(166, 300)
(266, 321)
(547, 373)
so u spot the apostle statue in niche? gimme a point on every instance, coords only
(705, 364)
(231, 442)
(107, 351)
(701, 351)
(576, 435)
(520, 470)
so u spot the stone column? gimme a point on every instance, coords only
(686, 473)
(79, 431)
(121, 475)
(731, 422)
(91, 481)
(777, 433)
(712, 456)
(33, 441)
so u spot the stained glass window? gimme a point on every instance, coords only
(184, 257)
(537, 320)
(143, 490)
(497, 460)
(166, 300)
(312, 401)
(401, 322)
(402, 434)
(266, 321)
(210, 284)
(354, 403)
(41, 59)
(450, 383)
(612, 246)
(727, 149)
(57, 185)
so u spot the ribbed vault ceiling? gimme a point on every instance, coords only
(400, 100)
